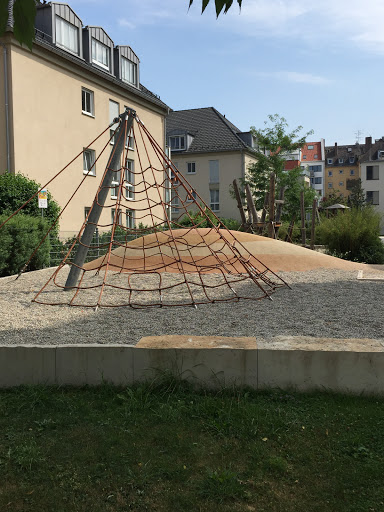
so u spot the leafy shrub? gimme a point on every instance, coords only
(353, 235)
(296, 233)
(16, 189)
(206, 221)
(18, 240)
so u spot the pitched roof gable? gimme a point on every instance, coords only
(210, 130)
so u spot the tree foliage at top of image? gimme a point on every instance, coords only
(220, 5)
(275, 141)
(24, 13)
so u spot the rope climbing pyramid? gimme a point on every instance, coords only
(151, 259)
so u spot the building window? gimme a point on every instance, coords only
(177, 143)
(373, 197)
(100, 54)
(330, 185)
(89, 158)
(304, 157)
(87, 209)
(315, 157)
(87, 102)
(114, 109)
(129, 180)
(214, 200)
(329, 161)
(341, 183)
(191, 196)
(130, 219)
(191, 168)
(318, 181)
(372, 172)
(330, 173)
(341, 171)
(115, 184)
(118, 220)
(67, 35)
(128, 71)
(214, 173)
(351, 159)
(341, 160)
(352, 172)
(310, 146)
(315, 168)
(175, 204)
(130, 142)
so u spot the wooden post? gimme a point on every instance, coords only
(288, 237)
(253, 217)
(239, 203)
(302, 206)
(314, 209)
(279, 209)
(264, 212)
(271, 223)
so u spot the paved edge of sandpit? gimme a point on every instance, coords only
(357, 368)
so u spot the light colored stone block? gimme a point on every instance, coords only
(78, 365)
(26, 365)
(213, 369)
(356, 372)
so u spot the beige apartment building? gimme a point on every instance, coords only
(57, 98)
(210, 152)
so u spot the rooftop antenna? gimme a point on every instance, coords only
(358, 136)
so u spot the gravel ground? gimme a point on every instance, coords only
(326, 303)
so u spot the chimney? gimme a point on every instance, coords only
(335, 148)
(368, 142)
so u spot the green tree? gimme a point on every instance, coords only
(334, 197)
(357, 197)
(16, 189)
(275, 141)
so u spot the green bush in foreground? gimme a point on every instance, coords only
(353, 235)
(18, 239)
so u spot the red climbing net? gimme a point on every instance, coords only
(160, 244)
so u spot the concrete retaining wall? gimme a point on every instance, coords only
(214, 367)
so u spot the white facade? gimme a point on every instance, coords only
(372, 181)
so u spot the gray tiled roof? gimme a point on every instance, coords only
(372, 152)
(211, 131)
(356, 150)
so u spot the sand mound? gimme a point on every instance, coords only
(205, 248)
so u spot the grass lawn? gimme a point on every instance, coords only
(164, 447)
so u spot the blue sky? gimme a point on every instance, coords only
(318, 64)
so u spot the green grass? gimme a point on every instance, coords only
(168, 448)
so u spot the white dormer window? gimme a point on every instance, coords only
(67, 35)
(329, 161)
(351, 159)
(100, 54)
(177, 142)
(128, 71)
(341, 160)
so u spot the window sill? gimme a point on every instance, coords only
(87, 173)
(88, 114)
